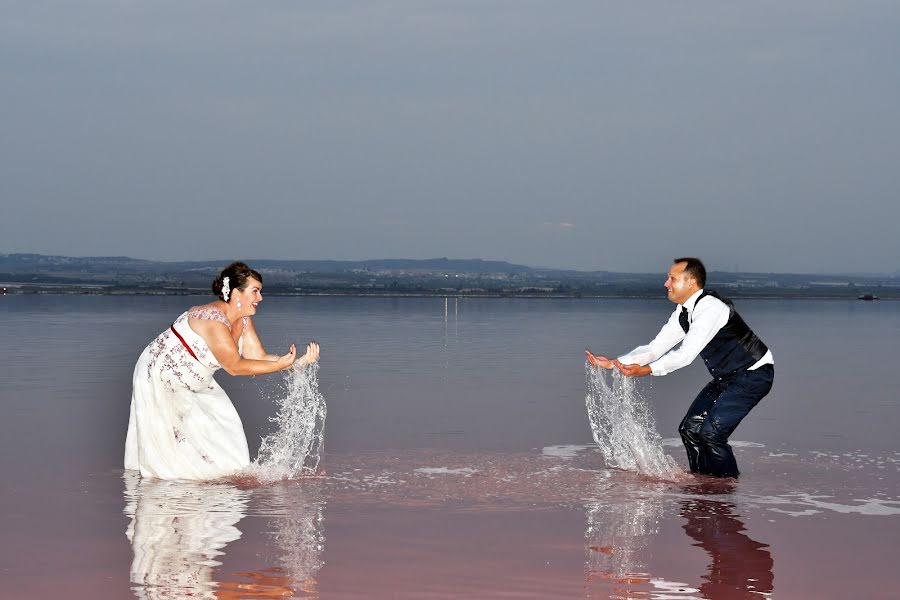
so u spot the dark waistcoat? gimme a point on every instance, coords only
(734, 347)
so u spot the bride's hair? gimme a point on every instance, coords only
(238, 273)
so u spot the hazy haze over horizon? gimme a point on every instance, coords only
(586, 135)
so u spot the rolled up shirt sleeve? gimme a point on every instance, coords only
(668, 336)
(709, 316)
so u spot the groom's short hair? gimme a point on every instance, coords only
(694, 268)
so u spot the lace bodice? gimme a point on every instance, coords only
(169, 354)
(211, 314)
(214, 314)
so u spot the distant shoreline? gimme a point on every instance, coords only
(62, 289)
(408, 278)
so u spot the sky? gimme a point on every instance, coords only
(760, 136)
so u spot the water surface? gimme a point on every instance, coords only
(458, 461)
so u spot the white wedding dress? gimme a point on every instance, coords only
(182, 424)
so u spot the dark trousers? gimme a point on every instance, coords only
(715, 414)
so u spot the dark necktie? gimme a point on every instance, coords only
(683, 319)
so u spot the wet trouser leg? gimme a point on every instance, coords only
(714, 415)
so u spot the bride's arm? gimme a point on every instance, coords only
(252, 345)
(253, 348)
(218, 338)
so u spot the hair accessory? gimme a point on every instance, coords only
(226, 289)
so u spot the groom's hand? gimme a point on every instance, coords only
(634, 370)
(600, 361)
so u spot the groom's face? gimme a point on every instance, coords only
(679, 285)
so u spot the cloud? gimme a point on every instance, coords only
(560, 226)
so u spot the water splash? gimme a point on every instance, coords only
(295, 447)
(623, 426)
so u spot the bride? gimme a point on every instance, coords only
(182, 424)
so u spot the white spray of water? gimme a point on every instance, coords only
(295, 447)
(623, 425)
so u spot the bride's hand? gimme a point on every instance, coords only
(311, 356)
(288, 359)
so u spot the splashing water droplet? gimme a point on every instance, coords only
(295, 447)
(623, 426)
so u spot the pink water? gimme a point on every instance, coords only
(452, 468)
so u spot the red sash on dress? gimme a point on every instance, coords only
(183, 343)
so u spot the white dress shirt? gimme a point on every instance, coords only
(706, 319)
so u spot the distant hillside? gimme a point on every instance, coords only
(106, 264)
(24, 273)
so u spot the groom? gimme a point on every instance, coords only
(740, 364)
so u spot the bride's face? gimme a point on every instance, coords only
(250, 296)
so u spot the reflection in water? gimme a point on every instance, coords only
(179, 531)
(296, 511)
(619, 535)
(741, 567)
(622, 525)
